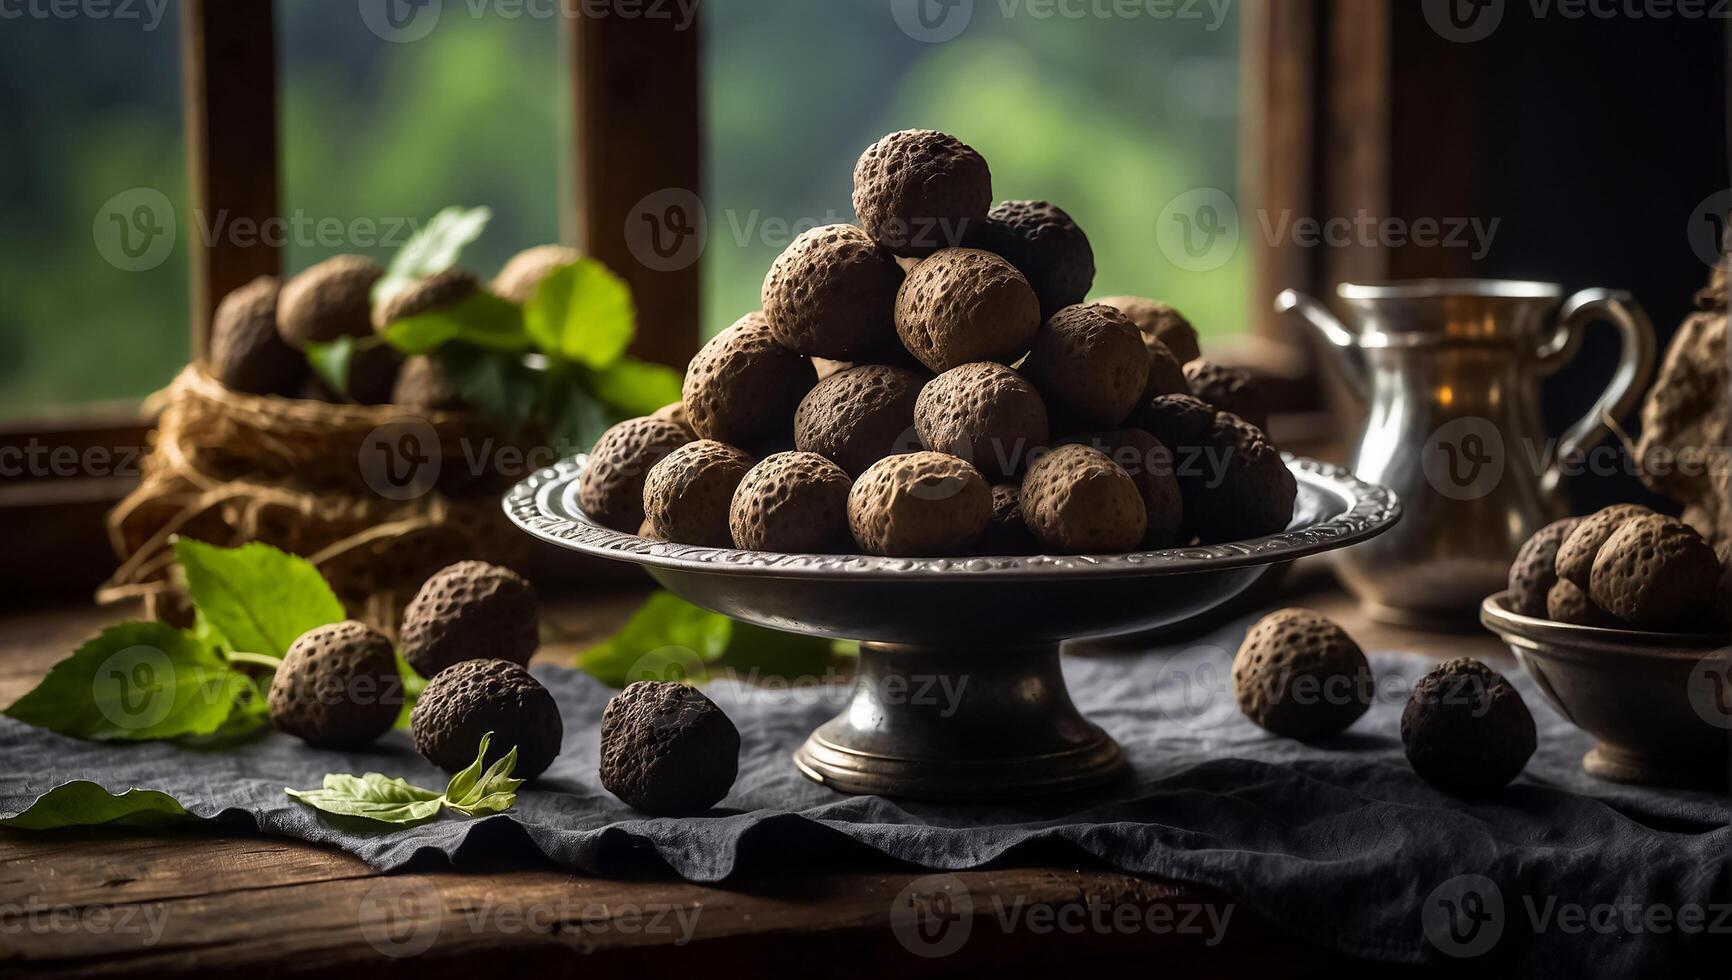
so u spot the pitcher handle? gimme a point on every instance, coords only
(1622, 392)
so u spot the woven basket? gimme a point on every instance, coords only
(312, 478)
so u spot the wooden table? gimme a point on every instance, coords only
(106, 901)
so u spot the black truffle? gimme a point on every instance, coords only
(1237, 487)
(246, 352)
(1300, 675)
(423, 386)
(1466, 729)
(1230, 390)
(1179, 421)
(1007, 533)
(666, 749)
(1534, 571)
(1045, 245)
(470, 611)
(466, 701)
(919, 190)
(337, 687)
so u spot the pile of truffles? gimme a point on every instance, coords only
(931, 383)
(1624, 567)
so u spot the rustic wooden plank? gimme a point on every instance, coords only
(637, 172)
(229, 94)
(1278, 132)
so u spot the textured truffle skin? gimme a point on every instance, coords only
(611, 488)
(1150, 465)
(470, 699)
(421, 385)
(1535, 569)
(688, 494)
(1239, 488)
(742, 387)
(674, 412)
(919, 504)
(246, 352)
(984, 413)
(859, 416)
(1166, 374)
(1466, 729)
(795, 503)
(1157, 321)
(1230, 390)
(439, 291)
(1045, 245)
(330, 300)
(918, 190)
(666, 749)
(469, 611)
(523, 272)
(1179, 421)
(1090, 364)
(964, 305)
(1576, 554)
(337, 687)
(1567, 602)
(1077, 501)
(1657, 574)
(832, 293)
(1300, 675)
(1006, 533)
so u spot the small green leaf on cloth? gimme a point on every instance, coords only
(374, 796)
(433, 249)
(258, 598)
(133, 682)
(81, 803)
(583, 313)
(475, 792)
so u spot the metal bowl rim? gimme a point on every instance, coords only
(1371, 510)
(1549, 638)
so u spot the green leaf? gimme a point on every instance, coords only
(497, 384)
(433, 249)
(575, 420)
(474, 792)
(413, 685)
(582, 312)
(85, 804)
(330, 362)
(373, 796)
(633, 387)
(260, 599)
(483, 320)
(135, 681)
(666, 639)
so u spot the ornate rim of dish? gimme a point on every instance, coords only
(1371, 509)
(1552, 637)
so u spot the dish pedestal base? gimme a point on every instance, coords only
(959, 723)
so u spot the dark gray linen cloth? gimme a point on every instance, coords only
(1336, 841)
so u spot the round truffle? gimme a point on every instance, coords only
(743, 386)
(246, 352)
(1157, 321)
(1566, 602)
(439, 291)
(468, 700)
(1237, 487)
(523, 273)
(1006, 533)
(1301, 676)
(984, 413)
(337, 687)
(1045, 245)
(674, 412)
(470, 611)
(919, 504)
(423, 386)
(859, 416)
(1166, 374)
(1576, 555)
(330, 300)
(611, 488)
(792, 502)
(666, 749)
(1150, 464)
(1656, 573)
(1230, 390)
(919, 190)
(1466, 729)
(1181, 422)
(832, 293)
(688, 494)
(1077, 501)
(964, 305)
(1534, 570)
(1090, 364)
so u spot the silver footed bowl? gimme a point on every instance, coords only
(984, 630)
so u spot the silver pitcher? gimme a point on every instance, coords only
(1450, 371)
